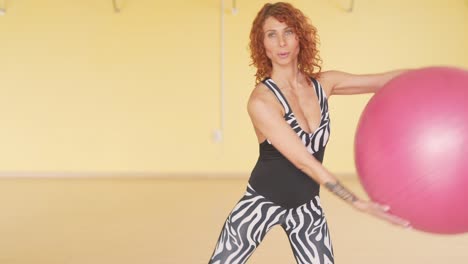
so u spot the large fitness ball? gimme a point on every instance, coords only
(411, 148)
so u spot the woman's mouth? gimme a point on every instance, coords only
(283, 54)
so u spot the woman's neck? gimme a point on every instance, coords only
(287, 77)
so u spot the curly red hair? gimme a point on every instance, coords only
(308, 59)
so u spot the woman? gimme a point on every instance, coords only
(289, 112)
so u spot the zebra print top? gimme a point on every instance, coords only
(274, 176)
(317, 139)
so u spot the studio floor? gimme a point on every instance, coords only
(163, 220)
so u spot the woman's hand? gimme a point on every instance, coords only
(380, 211)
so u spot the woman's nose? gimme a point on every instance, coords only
(282, 42)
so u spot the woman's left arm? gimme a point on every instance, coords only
(343, 83)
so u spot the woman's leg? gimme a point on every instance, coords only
(308, 234)
(245, 228)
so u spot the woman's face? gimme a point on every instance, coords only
(280, 41)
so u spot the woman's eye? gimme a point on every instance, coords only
(270, 35)
(289, 32)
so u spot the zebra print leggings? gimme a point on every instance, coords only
(254, 215)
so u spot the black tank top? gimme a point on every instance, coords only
(274, 176)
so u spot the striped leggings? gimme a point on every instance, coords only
(254, 215)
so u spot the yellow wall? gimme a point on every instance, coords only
(84, 89)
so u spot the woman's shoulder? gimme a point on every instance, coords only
(326, 79)
(260, 93)
(261, 98)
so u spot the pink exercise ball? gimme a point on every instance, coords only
(411, 148)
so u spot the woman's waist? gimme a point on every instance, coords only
(283, 183)
(269, 152)
(282, 173)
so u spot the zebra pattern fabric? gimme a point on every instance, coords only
(254, 215)
(316, 139)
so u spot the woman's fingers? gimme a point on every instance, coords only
(382, 211)
(393, 219)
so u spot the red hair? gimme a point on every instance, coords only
(308, 58)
